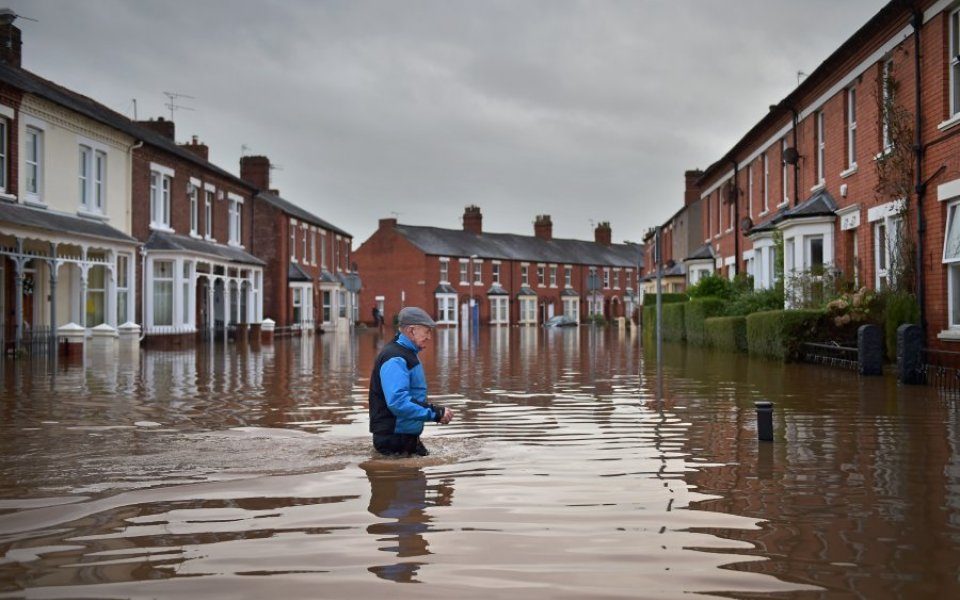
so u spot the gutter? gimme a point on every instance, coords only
(916, 21)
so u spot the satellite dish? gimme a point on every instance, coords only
(791, 156)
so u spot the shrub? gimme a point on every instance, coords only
(711, 286)
(697, 311)
(779, 333)
(726, 333)
(674, 328)
(901, 308)
(755, 301)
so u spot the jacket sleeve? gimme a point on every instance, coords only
(395, 381)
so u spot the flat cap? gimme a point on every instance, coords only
(411, 315)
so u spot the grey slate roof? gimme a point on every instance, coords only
(508, 246)
(44, 88)
(497, 290)
(526, 291)
(569, 292)
(50, 220)
(295, 211)
(161, 240)
(444, 288)
(703, 252)
(295, 273)
(675, 270)
(820, 204)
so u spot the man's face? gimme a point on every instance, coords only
(420, 335)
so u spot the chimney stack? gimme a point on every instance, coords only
(691, 191)
(543, 227)
(602, 233)
(387, 224)
(160, 126)
(255, 170)
(10, 44)
(472, 219)
(197, 147)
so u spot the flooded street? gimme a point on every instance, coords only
(247, 472)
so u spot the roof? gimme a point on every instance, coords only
(497, 290)
(674, 270)
(569, 292)
(51, 220)
(526, 291)
(161, 240)
(296, 273)
(327, 277)
(295, 211)
(444, 288)
(44, 88)
(820, 204)
(509, 246)
(704, 252)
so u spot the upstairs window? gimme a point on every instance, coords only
(766, 183)
(784, 173)
(34, 162)
(464, 275)
(495, 272)
(444, 271)
(888, 100)
(954, 62)
(524, 275)
(568, 276)
(208, 214)
(193, 193)
(851, 128)
(540, 280)
(3, 154)
(821, 148)
(478, 272)
(553, 275)
(160, 184)
(92, 172)
(236, 221)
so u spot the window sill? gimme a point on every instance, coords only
(163, 228)
(34, 202)
(782, 204)
(195, 235)
(883, 153)
(849, 172)
(7, 197)
(239, 245)
(764, 213)
(210, 238)
(949, 335)
(949, 123)
(93, 215)
(818, 187)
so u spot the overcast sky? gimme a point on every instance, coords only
(587, 111)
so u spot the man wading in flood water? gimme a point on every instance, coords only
(398, 389)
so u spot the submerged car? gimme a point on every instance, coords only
(560, 321)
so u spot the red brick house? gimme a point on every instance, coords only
(195, 220)
(311, 281)
(506, 278)
(861, 155)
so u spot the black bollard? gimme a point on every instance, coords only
(764, 420)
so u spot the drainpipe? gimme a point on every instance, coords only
(916, 21)
(735, 190)
(796, 165)
(143, 292)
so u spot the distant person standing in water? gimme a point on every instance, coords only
(398, 389)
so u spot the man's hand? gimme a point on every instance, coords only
(447, 415)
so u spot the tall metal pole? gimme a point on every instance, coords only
(657, 259)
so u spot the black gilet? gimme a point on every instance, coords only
(382, 421)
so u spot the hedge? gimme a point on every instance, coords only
(779, 333)
(900, 308)
(726, 333)
(697, 311)
(673, 324)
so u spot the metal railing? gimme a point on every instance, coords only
(840, 355)
(941, 369)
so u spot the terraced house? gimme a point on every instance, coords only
(67, 253)
(851, 170)
(471, 276)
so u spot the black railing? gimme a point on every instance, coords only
(941, 368)
(841, 355)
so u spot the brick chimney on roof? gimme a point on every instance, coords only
(602, 233)
(160, 126)
(10, 44)
(472, 219)
(543, 227)
(387, 224)
(691, 191)
(255, 170)
(197, 147)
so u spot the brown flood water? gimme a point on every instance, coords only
(246, 472)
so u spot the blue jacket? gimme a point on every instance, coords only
(398, 391)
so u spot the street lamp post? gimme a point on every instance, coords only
(470, 304)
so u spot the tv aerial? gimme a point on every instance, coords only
(172, 104)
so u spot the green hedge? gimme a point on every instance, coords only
(779, 333)
(726, 333)
(699, 310)
(673, 325)
(900, 308)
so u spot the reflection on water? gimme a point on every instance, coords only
(246, 471)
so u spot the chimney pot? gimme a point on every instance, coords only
(472, 219)
(543, 227)
(602, 233)
(256, 171)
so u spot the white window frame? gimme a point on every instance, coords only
(567, 276)
(209, 193)
(851, 128)
(444, 270)
(808, 251)
(171, 280)
(886, 72)
(323, 249)
(953, 267)
(750, 190)
(571, 307)
(33, 186)
(306, 243)
(553, 276)
(606, 278)
(236, 221)
(953, 56)
(293, 241)
(821, 133)
(477, 271)
(528, 310)
(541, 275)
(464, 271)
(313, 246)
(525, 274)
(784, 174)
(731, 214)
(499, 309)
(161, 188)
(766, 183)
(495, 271)
(193, 193)
(447, 309)
(4, 166)
(122, 279)
(616, 278)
